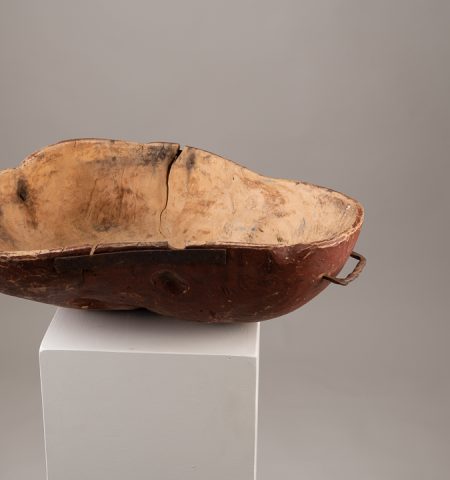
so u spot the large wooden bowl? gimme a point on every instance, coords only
(105, 224)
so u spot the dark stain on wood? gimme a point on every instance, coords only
(190, 161)
(22, 189)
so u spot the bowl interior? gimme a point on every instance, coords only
(103, 191)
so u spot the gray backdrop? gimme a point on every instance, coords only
(350, 94)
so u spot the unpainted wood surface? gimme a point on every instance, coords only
(93, 191)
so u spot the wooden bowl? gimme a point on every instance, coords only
(115, 225)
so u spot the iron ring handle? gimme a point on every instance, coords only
(352, 275)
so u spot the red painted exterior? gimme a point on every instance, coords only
(252, 284)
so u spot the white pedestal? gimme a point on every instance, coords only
(130, 395)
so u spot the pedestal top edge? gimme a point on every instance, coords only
(145, 332)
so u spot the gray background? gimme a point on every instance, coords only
(350, 94)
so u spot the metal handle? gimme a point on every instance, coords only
(352, 275)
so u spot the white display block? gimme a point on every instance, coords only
(132, 395)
